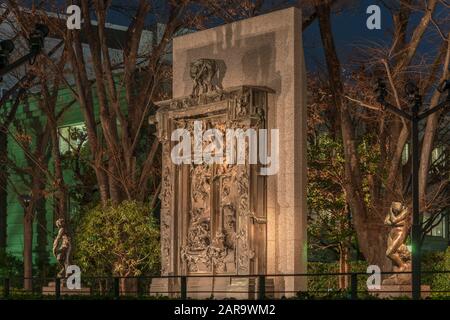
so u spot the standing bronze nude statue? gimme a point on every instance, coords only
(62, 247)
(398, 218)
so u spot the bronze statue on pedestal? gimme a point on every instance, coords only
(62, 247)
(399, 220)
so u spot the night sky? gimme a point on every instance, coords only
(350, 31)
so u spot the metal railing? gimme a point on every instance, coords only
(320, 286)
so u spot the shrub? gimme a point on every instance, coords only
(329, 285)
(118, 240)
(10, 266)
(437, 261)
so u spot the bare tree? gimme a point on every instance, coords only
(369, 196)
(41, 180)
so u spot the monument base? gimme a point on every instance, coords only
(166, 287)
(207, 288)
(64, 291)
(398, 290)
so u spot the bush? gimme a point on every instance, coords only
(437, 261)
(10, 266)
(329, 285)
(118, 240)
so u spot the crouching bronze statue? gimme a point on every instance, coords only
(399, 221)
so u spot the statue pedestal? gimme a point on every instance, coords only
(166, 287)
(64, 291)
(398, 290)
(205, 288)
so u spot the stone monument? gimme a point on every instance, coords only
(229, 219)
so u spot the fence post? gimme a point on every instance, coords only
(6, 286)
(183, 287)
(58, 288)
(354, 286)
(261, 287)
(116, 288)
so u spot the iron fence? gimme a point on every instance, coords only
(320, 286)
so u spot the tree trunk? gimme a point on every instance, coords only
(370, 231)
(61, 193)
(3, 188)
(115, 190)
(430, 132)
(374, 250)
(42, 241)
(103, 185)
(28, 248)
(344, 266)
(128, 286)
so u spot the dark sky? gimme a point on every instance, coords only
(349, 30)
(351, 34)
(349, 27)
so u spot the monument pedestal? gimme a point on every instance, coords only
(64, 291)
(205, 288)
(166, 287)
(398, 290)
